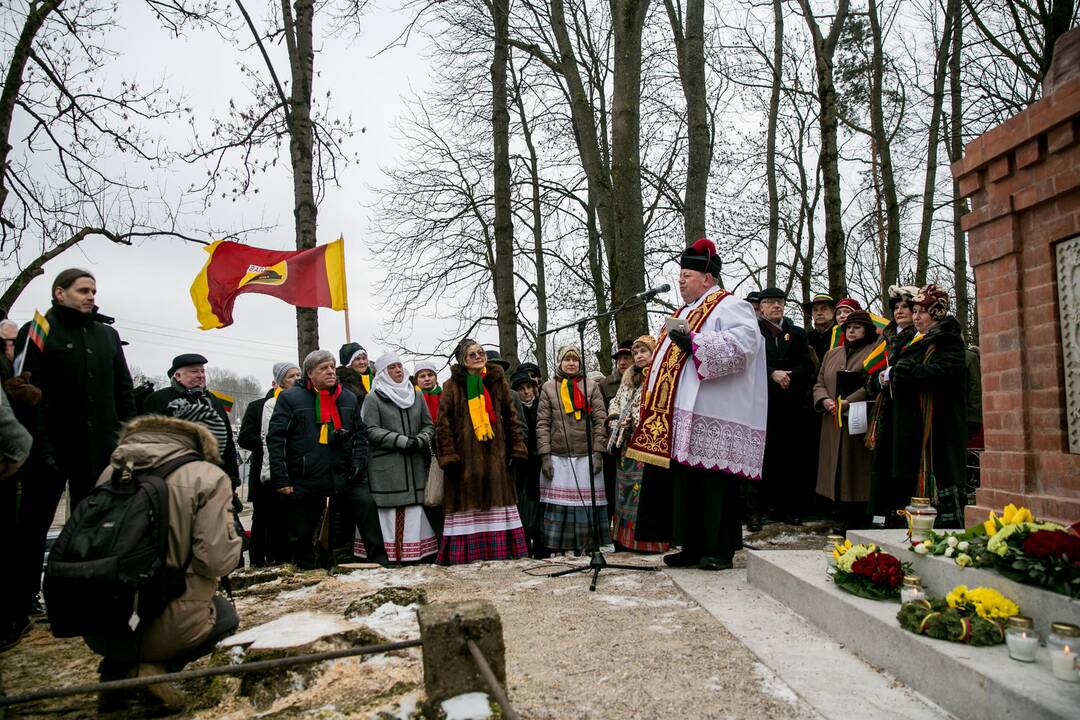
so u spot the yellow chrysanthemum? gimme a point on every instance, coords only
(839, 549)
(987, 602)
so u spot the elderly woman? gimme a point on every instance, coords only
(527, 473)
(564, 418)
(844, 462)
(399, 431)
(887, 497)
(622, 417)
(427, 379)
(477, 435)
(928, 379)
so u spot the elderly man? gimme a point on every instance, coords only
(187, 398)
(822, 312)
(318, 450)
(706, 429)
(787, 478)
(9, 330)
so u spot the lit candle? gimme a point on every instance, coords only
(1063, 643)
(1021, 639)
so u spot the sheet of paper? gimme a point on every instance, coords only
(674, 323)
(856, 421)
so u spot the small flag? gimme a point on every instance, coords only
(879, 322)
(39, 330)
(837, 338)
(877, 359)
(227, 400)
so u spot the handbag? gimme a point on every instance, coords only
(433, 490)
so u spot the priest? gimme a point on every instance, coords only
(703, 415)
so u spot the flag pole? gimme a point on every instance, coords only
(348, 329)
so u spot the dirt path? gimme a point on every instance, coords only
(636, 648)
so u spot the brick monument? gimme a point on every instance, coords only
(1023, 181)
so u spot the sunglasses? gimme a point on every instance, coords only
(476, 356)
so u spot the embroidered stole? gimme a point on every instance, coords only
(651, 441)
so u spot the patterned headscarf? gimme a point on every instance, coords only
(934, 301)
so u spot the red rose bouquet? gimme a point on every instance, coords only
(876, 576)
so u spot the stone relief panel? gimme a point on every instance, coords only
(1068, 284)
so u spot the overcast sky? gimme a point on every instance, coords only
(146, 287)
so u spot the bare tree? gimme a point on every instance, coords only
(503, 276)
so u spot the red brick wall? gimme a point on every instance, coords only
(1023, 181)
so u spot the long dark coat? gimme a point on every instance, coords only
(476, 475)
(932, 368)
(250, 438)
(298, 459)
(887, 496)
(786, 436)
(397, 477)
(158, 404)
(86, 391)
(843, 462)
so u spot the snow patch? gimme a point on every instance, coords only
(292, 630)
(297, 594)
(393, 621)
(470, 706)
(387, 577)
(624, 601)
(773, 686)
(405, 709)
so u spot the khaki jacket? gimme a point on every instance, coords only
(560, 434)
(200, 526)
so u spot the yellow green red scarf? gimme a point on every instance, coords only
(365, 378)
(572, 403)
(481, 411)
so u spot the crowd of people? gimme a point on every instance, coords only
(732, 414)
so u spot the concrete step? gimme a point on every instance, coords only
(970, 682)
(941, 574)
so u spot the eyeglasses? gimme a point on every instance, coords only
(476, 355)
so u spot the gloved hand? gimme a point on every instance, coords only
(546, 467)
(682, 340)
(597, 462)
(885, 375)
(413, 445)
(237, 506)
(21, 392)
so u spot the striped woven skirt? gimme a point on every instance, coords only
(567, 503)
(406, 532)
(493, 534)
(627, 496)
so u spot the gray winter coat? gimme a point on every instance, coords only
(397, 476)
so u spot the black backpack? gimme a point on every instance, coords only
(107, 572)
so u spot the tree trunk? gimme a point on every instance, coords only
(299, 41)
(956, 118)
(770, 142)
(922, 258)
(628, 270)
(537, 233)
(13, 82)
(596, 269)
(690, 53)
(824, 50)
(891, 270)
(503, 276)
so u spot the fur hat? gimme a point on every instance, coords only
(701, 256)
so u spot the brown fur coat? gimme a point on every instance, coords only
(476, 474)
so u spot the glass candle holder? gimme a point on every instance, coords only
(830, 561)
(912, 589)
(920, 515)
(1063, 644)
(1021, 638)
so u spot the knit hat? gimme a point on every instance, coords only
(282, 369)
(933, 300)
(701, 256)
(424, 365)
(849, 303)
(566, 350)
(647, 340)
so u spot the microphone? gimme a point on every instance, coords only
(651, 292)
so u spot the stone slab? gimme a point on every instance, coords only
(968, 681)
(804, 658)
(940, 575)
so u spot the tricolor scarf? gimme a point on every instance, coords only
(573, 401)
(326, 410)
(431, 399)
(366, 378)
(481, 411)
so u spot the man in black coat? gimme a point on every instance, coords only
(318, 450)
(86, 393)
(785, 476)
(822, 312)
(188, 399)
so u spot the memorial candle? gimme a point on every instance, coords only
(1021, 639)
(1063, 644)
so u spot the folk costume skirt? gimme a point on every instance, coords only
(406, 532)
(567, 502)
(627, 498)
(493, 534)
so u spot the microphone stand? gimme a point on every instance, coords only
(597, 562)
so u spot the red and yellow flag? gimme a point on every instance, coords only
(305, 278)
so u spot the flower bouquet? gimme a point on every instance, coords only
(974, 617)
(865, 571)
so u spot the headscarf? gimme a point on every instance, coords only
(570, 390)
(401, 393)
(934, 301)
(365, 378)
